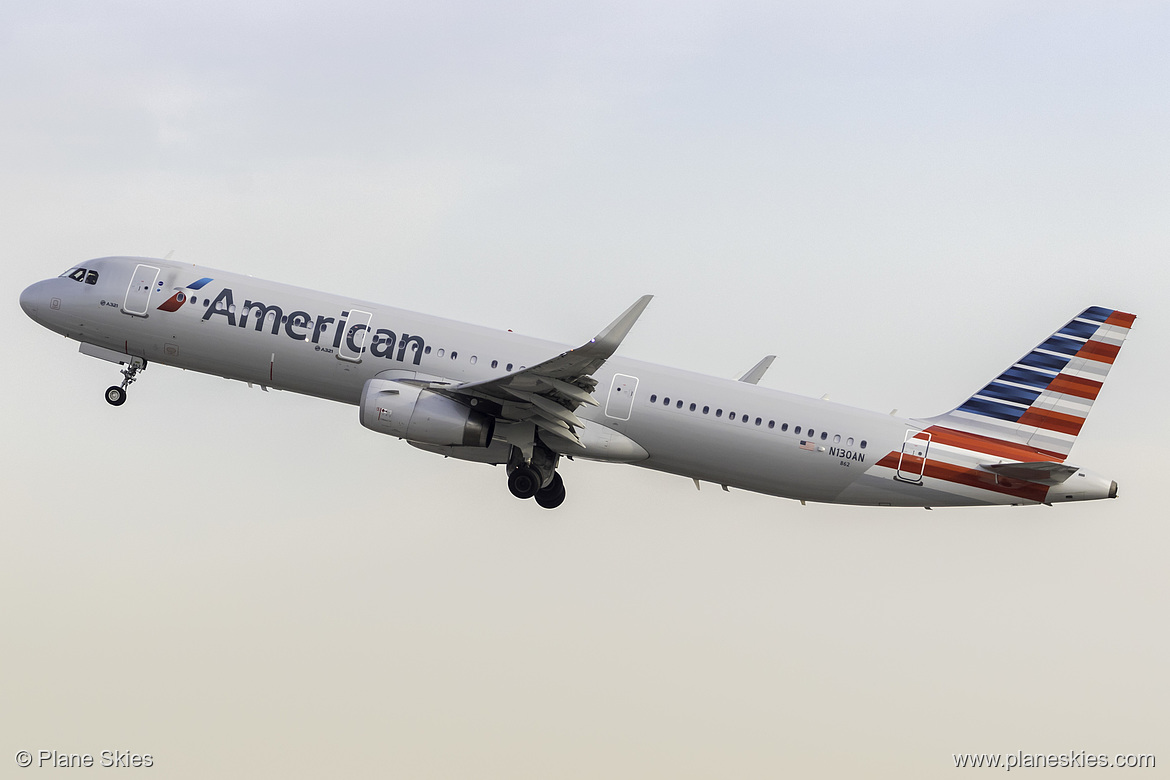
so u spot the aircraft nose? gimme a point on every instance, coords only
(34, 298)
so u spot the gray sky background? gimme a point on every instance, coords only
(896, 198)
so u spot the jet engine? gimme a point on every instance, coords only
(420, 415)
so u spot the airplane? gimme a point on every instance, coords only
(500, 398)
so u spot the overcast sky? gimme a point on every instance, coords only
(896, 198)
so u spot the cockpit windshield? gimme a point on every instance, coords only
(81, 275)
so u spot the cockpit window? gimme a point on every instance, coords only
(81, 275)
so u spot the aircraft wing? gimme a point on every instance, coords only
(756, 372)
(548, 393)
(1044, 472)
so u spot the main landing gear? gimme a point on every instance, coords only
(115, 394)
(551, 495)
(524, 482)
(537, 478)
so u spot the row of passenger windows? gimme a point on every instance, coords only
(747, 418)
(440, 352)
(81, 275)
(473, 359)
(91, 277)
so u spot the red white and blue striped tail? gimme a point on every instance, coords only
(1041, 401)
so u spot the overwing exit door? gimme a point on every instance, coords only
(620, 403)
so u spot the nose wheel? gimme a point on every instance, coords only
(116, 394)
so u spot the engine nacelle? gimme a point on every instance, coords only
(418, 415)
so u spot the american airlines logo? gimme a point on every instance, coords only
(301, 326)
(179, 298)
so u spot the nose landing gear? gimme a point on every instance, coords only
(116, 394)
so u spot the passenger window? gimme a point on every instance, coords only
(509, 367)
(692, 407)
(706, 409)
(771, 423)
(654, 398)
(849, 442)
(731, 415)
(78, 275)
(796, 430)
(758, 421)
(824, 435)
(91, 277)
(718, 412)
(784, 427)
(495, 363)
(863, 444)
(837, 439)
(454, 355)
(427, 350)
(666, 402)
(811, 433)
(678, 405)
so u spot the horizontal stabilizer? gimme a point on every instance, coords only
(1044, 472)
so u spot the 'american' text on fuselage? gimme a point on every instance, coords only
(381, 344)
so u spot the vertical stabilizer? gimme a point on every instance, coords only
(1041, 401)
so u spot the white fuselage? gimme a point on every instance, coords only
(715, 430)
